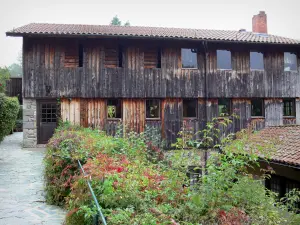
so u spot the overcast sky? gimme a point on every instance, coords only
(283, 16)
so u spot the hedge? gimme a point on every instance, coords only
(9, 110)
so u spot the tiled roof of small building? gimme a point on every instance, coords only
(287, 143)
(147, 32)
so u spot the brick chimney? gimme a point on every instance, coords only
(259, 23)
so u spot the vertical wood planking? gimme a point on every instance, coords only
(274, 112)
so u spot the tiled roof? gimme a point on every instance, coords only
(147, 32)
(287, 143)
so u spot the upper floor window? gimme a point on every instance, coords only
(152, 58)
(189, 58)
(152, 109)
(73, 55)
(256, 61)
(290, 61)
(289, 107)
(224, 59)
(224, 107)
(189, 108)
(113, 57)
(257, 107)
(114, 109)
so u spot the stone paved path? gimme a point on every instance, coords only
(21, 186)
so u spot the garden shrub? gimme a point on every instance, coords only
(136, 183)
(9, 109)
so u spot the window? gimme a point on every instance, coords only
(152, 58)
(257, 107)
(289, 107)
(224, 59)
(189, 108)
(152, 109)
(224, 107)
(73, 55)
(113, 57)
(114, 109)
(189, 58)
(290, 62)
(256, 61)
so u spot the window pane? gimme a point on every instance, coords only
(224, 107)
(152, 108)
(114, 108)
(257, 107)
(188, 58)
(189, 108)
(223, 59)
(288, 107)
(256, 61)
(290, 62)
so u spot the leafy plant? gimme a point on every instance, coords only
(9, 109)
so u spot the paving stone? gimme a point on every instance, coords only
(22, 200)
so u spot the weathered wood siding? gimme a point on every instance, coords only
(298, 111)
(49, 72)
(242, 108)
(274, 112)
(171, 119)
(134, 114)
(14, 88)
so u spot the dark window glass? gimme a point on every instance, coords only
(257, 108)
(114, 109)
(224, 107)
(289, 107)
(256, 61)
(224, 59)
(188, 58)
(290, 62)
(189, 108)
(152, 109)
(275, 184)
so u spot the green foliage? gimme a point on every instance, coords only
(136, 182)
(117, 22)
(9, 109)
(4, 75)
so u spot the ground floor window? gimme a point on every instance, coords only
(189, 108)
(281, 185)
(257, 107)
(224, 107)
(152, 109)
(114, 109)
(289, 107)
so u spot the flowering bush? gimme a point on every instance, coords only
(136, 183)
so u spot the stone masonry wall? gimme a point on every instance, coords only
(29, 123)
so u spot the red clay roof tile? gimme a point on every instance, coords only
(288, 144)
(147, 32)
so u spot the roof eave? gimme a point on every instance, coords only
(17, 34)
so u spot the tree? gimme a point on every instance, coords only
(127, 24)
(15, 70)
(117, 22)
(4, 75)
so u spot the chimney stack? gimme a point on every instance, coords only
(259, 23)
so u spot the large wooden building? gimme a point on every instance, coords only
(150, 76)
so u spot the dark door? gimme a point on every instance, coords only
(47, 120)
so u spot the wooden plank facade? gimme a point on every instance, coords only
(133, 70)
(14, 88)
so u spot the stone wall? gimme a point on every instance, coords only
(29, 123)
